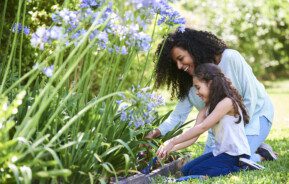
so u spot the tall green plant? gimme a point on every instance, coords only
(67, 130)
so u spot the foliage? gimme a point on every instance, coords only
(258, 29)
(18, 160)
(75, 60)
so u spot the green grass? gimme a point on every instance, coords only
(275, 171)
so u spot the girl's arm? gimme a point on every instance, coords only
(184, 144)
(221, 109)
(201, 116)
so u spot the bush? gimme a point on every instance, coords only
(258, 29)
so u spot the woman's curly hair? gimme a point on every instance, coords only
(220, 88)
(203, 47)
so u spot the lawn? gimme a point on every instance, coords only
(275, 171)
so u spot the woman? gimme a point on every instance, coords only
(178, 56)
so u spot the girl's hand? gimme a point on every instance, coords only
(165, 149)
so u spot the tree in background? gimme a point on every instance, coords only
(258, 29)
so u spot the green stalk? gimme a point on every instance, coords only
(62, 68)
(62, 103)
(151, 77)
(79, 114)
(109, 79)
(3, 20)
(41, 65)
(21, 41)
(25, 76)
(54, 77)
(12, 50)
(27, 130)
(126, 69)
(147, 56)
(45, 103)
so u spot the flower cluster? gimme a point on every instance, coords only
(90, 3)
(66, 17)
(129, 27)
(167, 14)
(114, 25)
(43, 35)
(140, 110)
(18, 28)
(48, 71)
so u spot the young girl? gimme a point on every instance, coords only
(225, 113)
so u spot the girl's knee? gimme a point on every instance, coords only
(197, 171)
(185, 170)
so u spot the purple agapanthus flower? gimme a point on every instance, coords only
(67, 18)
(26, 30)
(43, 36)
(167, 14)
(124, 50)
(78, 34)
(48, 71)
(123, 116)
(142, 109)
(39, 38)
(56, 32)
(90, 3)
(18, 28)
(182, 29)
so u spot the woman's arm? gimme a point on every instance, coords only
(176, 118)
(221, 109)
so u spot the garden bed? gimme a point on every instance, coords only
(165, 170)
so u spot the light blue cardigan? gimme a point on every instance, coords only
(253, 92)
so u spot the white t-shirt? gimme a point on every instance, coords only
(230, 137)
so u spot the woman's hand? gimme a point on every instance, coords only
(165, 149)
(153, 134)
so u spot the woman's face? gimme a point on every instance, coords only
(183, 60)
(203, 89)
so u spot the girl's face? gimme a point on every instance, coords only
(203, 89)
(183, 60)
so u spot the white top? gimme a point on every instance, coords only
(230, 137)
(256, 100)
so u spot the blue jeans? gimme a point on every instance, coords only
(254, 140)
(210, 165)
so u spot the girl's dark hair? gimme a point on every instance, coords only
(203, 47)
(220, 88)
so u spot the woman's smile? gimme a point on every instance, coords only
(186, 68)
(183, 60)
